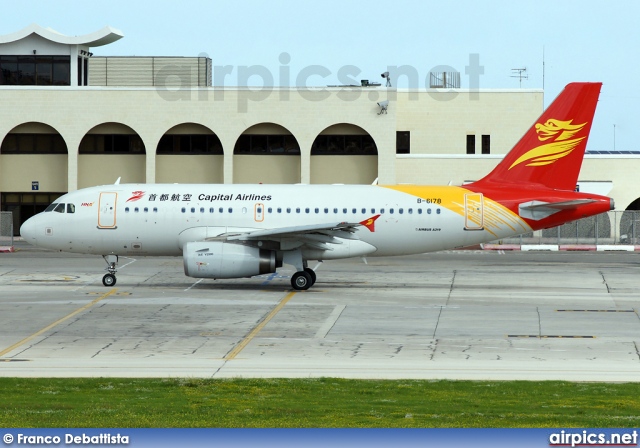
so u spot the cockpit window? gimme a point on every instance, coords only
(71, 208)
(51, 207)
(59, 208)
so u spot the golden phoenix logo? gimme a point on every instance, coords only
(562, 145)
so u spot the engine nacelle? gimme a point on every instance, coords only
(204, 259)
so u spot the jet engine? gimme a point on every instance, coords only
(204, 259)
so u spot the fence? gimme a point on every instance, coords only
(6, 229)
(616, 227)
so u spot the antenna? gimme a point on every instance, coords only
(519, 73)
(543, 76)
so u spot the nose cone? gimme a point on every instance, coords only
(28, 231)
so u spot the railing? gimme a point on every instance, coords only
(616, 228)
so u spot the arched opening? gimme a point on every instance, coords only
(189, 153)
(266, 153)
(33, 170)
(110, 151)
(630, 224)
(344, 153)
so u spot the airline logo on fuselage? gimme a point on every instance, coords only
(86, 204)
(136, 196)
(563, 143)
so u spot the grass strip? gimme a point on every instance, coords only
(323, 403)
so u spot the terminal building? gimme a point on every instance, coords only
(71, 119)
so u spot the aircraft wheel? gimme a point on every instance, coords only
(301, 281)
(109, 280)
(312, 274)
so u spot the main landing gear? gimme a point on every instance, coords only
(110, 279)
(303, 280)
(305, 277)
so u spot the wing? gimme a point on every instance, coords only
(313, 236)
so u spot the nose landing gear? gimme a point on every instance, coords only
(109, 279)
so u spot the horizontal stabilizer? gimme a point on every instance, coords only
(537, 210)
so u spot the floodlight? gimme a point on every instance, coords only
(383, 106)
(387, 77)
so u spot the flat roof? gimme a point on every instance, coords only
(98, 38)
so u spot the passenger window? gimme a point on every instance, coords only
(126, 209)
(364, 210)
(193, 209)
(438, 211)
(335, 210)
(401, 211)
(344, 210)
(155, 209)
(259, 209)
(298, 210)
(211, 210)
(220, 210)
(354, 211)
(288, 210)
(269, 210)
(51, 207)
(317, 210)
(419, 211)
(71, 208)
(184, 210)
(279, 210)
(373, 211)
(201, 209)
(136, 209)
(59, 208)
(382, 211)
(306, 210)
(411, 211)
(230, 210)
(391, 211)
(428, 211)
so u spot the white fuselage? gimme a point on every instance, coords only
(159, 219)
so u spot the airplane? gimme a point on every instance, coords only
(235, 231)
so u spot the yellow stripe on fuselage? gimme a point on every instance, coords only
(497, 219)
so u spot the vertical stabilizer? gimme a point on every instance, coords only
(551, 152)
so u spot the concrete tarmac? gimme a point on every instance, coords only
(448, 315)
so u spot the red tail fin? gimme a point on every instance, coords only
(551, 152)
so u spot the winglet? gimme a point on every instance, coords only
(370, 223)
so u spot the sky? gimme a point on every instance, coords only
(329, 42)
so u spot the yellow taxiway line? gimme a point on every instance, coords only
(58, 322)
(238, 348)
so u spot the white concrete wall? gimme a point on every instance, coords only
(439, 122)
